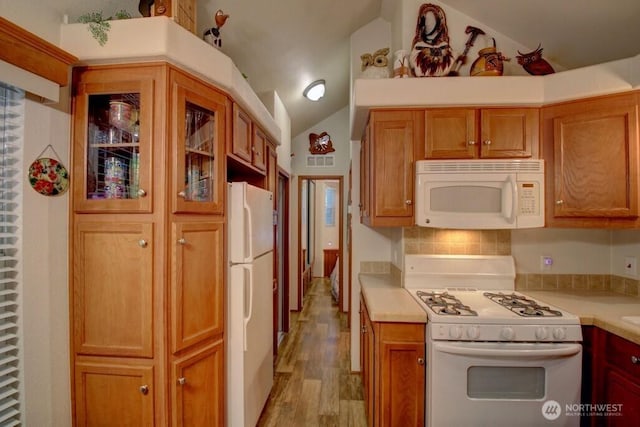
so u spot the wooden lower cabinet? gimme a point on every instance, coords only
(198, 392)
(614, 379)
(113, 288)
(114, 393)
(393, 368)
(197, 301)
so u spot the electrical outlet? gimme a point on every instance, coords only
(546, 262)
(631, 266)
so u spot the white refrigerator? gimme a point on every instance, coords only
(249, 350)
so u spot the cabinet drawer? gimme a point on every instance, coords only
(619, 352)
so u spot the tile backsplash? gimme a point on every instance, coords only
(428, 241)
(586, 282)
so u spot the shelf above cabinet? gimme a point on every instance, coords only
(160, 38)
(611, 77)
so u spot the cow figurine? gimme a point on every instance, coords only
(212, 35)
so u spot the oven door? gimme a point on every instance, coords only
(502, 384)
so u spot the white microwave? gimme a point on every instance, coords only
(480, 194)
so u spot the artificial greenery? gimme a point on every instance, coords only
(99, 25)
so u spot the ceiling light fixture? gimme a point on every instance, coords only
(315, 90)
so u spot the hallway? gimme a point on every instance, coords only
(313, 384)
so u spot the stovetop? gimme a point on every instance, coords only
(472, 298)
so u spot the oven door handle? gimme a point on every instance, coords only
(560, 351)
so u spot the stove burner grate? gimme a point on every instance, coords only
(445, 304)
(522, 305)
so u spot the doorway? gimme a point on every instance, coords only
(281, 297)
(320, 235)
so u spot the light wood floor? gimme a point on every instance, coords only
(313, 384)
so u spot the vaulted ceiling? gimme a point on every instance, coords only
(283, 45)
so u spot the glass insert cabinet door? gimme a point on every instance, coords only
(198, 135)
(112, 135)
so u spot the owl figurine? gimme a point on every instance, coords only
(534, 63)
(375, 65)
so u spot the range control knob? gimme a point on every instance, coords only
(455, 332)
(559, 333)
(507, 333)
(541, 333)
(473, 332)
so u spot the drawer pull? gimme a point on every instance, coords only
(420, 361)
(635, 360)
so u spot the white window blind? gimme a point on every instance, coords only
(11, 141)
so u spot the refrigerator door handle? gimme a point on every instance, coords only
(248, 234)
(248, 301)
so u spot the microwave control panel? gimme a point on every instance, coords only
(528, 198)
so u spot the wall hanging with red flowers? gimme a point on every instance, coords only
(47, 175)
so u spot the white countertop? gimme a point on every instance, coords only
(598, 308)
(387, 301)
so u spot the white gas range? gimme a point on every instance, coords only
(493, 354)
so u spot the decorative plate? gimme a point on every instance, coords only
(48, 176)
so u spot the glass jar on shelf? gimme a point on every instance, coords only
(113, 146)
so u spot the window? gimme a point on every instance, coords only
(329, 206)
(11, 131)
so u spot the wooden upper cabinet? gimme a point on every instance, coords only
(508, 132)
(249, 143)
(467, 133)
(115, 130)
(591, 149)
(393, 136)
(450, 133)
(199, 135)
(241, 141)
(259, 148)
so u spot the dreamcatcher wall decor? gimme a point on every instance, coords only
(47, 175)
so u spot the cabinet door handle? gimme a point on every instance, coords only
(487, 142)
(142, 193)
(471, 143)
(559, 202)
(408, 202)
(420, 361)
(182, 380)
(142, 243)
(635, 360)
(144, 389)
(182, 194)
(364, 329)
(182, 241)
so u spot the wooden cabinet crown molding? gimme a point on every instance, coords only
(31, 53)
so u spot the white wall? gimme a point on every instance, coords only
(574, 251)
(368, 244)
(45, 289)
(624, 243)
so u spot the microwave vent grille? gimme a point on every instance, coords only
(471, 166)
